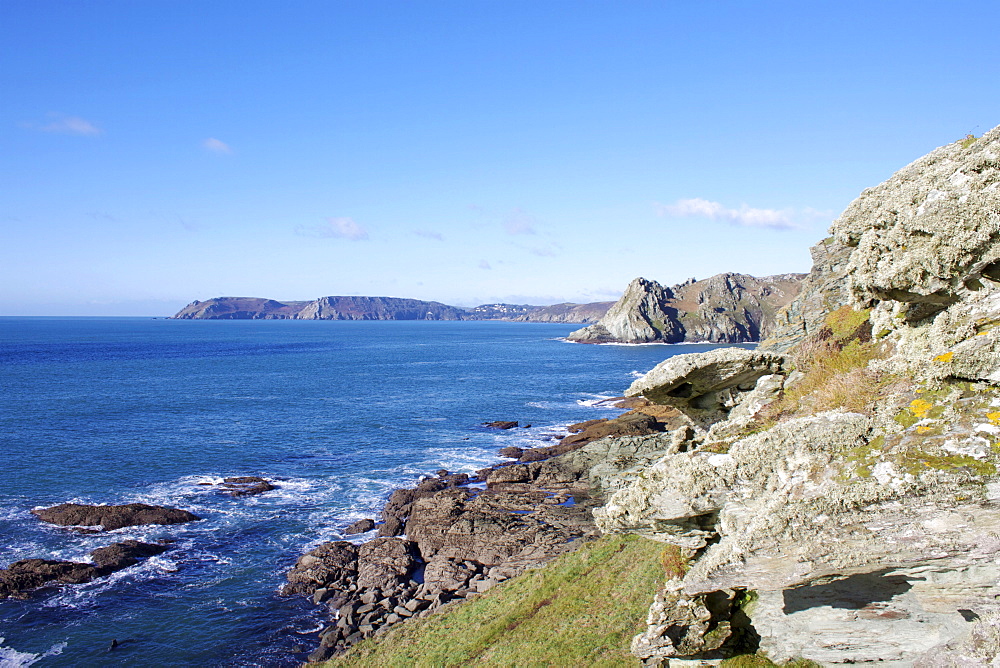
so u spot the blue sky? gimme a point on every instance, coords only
(157, 152)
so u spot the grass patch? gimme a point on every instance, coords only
(581, 609)
(834, 377)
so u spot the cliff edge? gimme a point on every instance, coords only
(837, 491)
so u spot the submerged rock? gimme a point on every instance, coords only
(21, 577)
(250, 485)
(112, 517)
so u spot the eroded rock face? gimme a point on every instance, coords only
(866, 537)
(112, 517)
(706, 386)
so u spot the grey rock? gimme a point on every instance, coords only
(706, 386)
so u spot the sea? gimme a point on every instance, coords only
(336, 413)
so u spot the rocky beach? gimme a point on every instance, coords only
(453, 536)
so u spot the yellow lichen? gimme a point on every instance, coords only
(994, 417)
(922, 429)
(919, 408)
(945, 357)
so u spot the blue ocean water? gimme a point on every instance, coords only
(338, 414)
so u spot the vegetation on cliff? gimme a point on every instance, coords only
(581, 609)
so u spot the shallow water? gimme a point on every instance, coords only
(338, 414)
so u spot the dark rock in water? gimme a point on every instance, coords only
(122, 555)
(22, 576)
(500, 424)
(511, 451)
(361, 526)
(112, 517)
(391, 527)
(442, 473)
(331, 565)
(246, 485)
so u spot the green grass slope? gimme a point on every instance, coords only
(581, 609)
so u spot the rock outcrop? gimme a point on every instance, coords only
(22, 577)
(837, 491)
(726, 308)
(110, 518)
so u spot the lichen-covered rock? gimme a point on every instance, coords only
(871, 536)
(706, 386)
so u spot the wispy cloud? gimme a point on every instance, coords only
(67, 125)
(519, 222)
(427, 234)
(335, 228)
(217, 146)
(483, 264)
(745, 216)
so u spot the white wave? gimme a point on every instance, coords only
(637, 374)
(11, 658)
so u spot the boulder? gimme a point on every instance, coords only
(385, 563)
(112, 517)
(445, 574)
(331, 565)
(361, 526)
(511, 451)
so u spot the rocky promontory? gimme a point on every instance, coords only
(726, 308)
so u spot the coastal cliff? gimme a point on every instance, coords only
(841, 482)
(832, 497)
(726, 308)
(382, 308)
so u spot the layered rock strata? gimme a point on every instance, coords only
(837, 493)
(726, 308)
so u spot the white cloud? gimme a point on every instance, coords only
(745, 216)
(336, 228)
(216, 146)
(69, 125)
(519, 222)
(427, 234)
(483, 264)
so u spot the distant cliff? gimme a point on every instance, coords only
(382, 308)
(726, 308)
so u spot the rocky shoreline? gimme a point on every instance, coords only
(455, 536)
